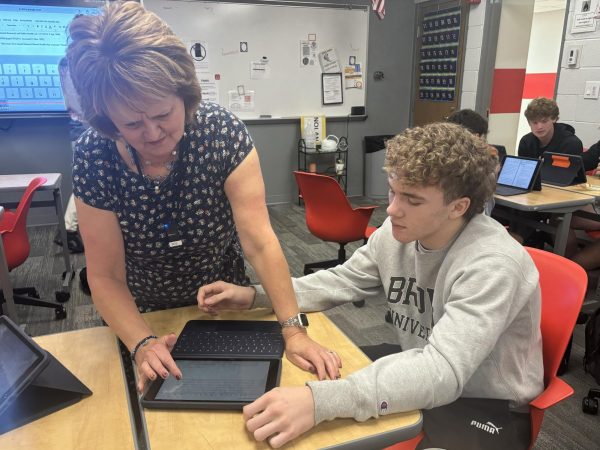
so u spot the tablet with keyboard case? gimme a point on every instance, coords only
(226, 364)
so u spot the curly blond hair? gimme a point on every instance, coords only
(128, 55)
(541, 108)
(447, 156)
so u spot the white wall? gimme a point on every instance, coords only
(472, 55)
(583, 114)
(511, 53)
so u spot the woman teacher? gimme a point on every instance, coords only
(169, 191)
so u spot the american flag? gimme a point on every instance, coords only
(379, 8)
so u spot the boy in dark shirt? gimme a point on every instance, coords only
(547, 135)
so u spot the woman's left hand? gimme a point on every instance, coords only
(310, 356)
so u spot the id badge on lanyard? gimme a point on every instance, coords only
(173, 236)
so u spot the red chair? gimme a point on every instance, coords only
(563, 285)
(13, 229)
(330, 217)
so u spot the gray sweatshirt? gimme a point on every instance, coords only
(467, 317)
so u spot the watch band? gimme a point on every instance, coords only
(299, 320)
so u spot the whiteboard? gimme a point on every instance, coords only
(214, 33)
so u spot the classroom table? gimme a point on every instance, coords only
(8, 307)
(561, 203)
(591, 187)
(226, 429)
(99, 421)
(18, 183)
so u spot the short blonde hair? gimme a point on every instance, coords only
(447, 156)
(541, 108)
(128, 55)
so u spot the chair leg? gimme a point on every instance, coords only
(59, 310)
(564, 363)
(342, 254)
(311, 267)
(28, 291)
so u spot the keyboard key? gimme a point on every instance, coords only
(26, 92)
(40, 92)
(17, 81)
(54, 92)
(45, 81)
(9, 69)
(51, 69)
(24, 69)
(38, 69)
(2, 93)
(4, 81)
(56, 81)
(12, 92)
(31, 80)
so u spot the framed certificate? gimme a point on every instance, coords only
(331, 88)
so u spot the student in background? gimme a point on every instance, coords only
(169, 191)
(463, 296)
(547, 135)
(587, 257)
(478, 125)
(591, 157)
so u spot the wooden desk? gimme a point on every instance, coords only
(560, 202)
(226, 429)
(100, 421)
(18, 183)
(592, 187)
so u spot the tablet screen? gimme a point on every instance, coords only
(216, 380)
(20, 361)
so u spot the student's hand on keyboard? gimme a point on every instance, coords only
(310, 356)
(281, 415)
(154, 359)
(221, 295)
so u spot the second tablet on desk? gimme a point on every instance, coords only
(562, 170)
(226, 364)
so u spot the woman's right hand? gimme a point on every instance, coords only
(221, 295)
(154, 359)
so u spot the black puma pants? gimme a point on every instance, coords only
(468, 423)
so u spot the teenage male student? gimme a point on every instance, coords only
(463, 296)
(547, 135)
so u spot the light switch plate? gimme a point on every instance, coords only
(572, 56)
(592, 89)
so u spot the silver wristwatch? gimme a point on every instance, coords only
(300, 320)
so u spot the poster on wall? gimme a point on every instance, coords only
(438, 56)
(584, 16)
(210, 88)
(308, 53)
(240, 102)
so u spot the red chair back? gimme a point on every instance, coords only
(563, 284)
(329, 215)
(13, 227)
